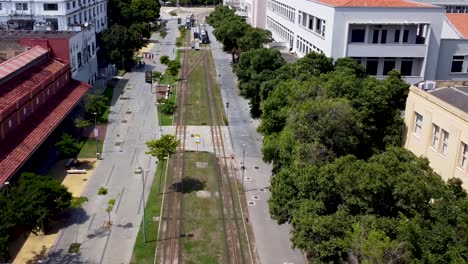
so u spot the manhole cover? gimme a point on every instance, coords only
(251, 203)
(91, 236)
(128, 112)
(248, 178)
(256, 168)
(118, 143)
(124, 121)
(256, 197)
(262, 190)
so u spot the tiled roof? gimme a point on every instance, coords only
(460, 21)
(20, 61)
(373, 3)
(18, 147)
(27, 84)
(456, 96)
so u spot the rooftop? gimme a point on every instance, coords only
(27, 83)
(460, 22)
(15, 151)
(14, 34)
(375, 3)
(9, 66)
(453, 95)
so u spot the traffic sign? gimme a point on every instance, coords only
(197, 138)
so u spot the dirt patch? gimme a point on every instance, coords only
(203, 194)
(202, 165)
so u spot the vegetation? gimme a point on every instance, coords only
(341, 178)
(30, 204)
(163, 147)
(236, 35)
(68, 146)
(156, 76)
(168, 107)
(102, 190)
(164, 59)
(74, 248)
(88, 148)
(129, 21)
(77, 202)
(173, 67)
(143, 253)
(110, 206)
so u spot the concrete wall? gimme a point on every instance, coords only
(79, 44)
(448, 118)
(448, 49)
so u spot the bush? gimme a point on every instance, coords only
(102, 191)
(165, 60)
(74, 248)
(76, 202)
(168, 107)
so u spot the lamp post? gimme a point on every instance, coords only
(144, 205)
(6, 185)
(243, 165)
(96, 134)
(227, 104)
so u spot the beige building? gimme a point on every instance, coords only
(436, 118)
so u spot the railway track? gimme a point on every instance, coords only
(232, 230)
(171, 253)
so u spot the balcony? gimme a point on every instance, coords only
(386, 50)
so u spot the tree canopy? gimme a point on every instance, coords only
(163, 147)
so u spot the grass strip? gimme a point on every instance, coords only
(202, 225)
(88, 148)
(167, 120)
(143, 253)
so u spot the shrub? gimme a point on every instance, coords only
(102, 191)
(168, 107)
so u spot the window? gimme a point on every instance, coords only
(371, 67)
(388, 66)
(73, 4)
(0, 6)
(417, 123)
(463, 163)
(69, 20)
(21, 6)
(405, 36)
(50, 7)
(397, 36)
(68, 6)
(406, 68)
(92, 45)
(383, 37)
(25, 111)
(435, 136)
(318, 25)
(78, 58)
(375, 36)
(37, 100)
(310, 23)
(457, 63)
(445, 138)
(10, 123)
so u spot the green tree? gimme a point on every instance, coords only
(144, 10)
(163, 147)
(38, 199)
(254, 38)
(163, 33)
(81, 123)
(95, 104)
(68, 146)
(156, 76)
(165, 60)
(173, 67)
(168, 107)
(110, 206)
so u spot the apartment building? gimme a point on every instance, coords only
(436, 119)
(78, 48)
(53, 14)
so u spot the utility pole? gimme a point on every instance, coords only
(96, 134)
(243, 165)
(144, 205)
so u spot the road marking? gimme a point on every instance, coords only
(105, 246)
(91, 222)
(120, 198)
(108, 177)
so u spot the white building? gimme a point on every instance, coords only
(53, 14)
(254, 12)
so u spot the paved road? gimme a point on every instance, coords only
(124, 150)
(272, 241)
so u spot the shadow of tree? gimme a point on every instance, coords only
(41, 255)
(62, 256)
(188, 185)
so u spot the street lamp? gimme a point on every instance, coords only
(6, 185)
(227, 104)
(243, 165)
(96, 134)
(144, 205)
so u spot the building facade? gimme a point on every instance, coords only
(254, 12)
(75, 47)
(436, 119)
(36, 94)
(53, 14)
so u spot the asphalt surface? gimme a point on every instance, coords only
(272, 240)
(132, 122)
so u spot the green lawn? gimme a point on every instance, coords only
(108, 93)
(167, 79)
(143, 253)
(218, 97)
(197, 113)
(167, 120)
(202, 225)
(88, 148)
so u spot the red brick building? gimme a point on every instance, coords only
(36, 94)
